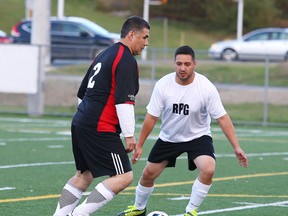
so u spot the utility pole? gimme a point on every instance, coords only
(60, 8)
(145, 17)
(28, 9)
(240, 19)
(40, 37)
(146, 5)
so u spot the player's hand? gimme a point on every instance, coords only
(241, 156)
(136, 154)
(130, 144)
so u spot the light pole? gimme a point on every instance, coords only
(60, 8)
(240, 18)
(146, 17)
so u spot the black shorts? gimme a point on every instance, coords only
(170, 151)
(100, 153)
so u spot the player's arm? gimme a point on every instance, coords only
(147, 127)
(126, 116)
(229, 131)
(83, 85)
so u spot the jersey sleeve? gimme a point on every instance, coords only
(83, 85)
(127, 81)
(215, 106)
(155, 104)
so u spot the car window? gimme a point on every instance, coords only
(283, 36)
(66, 29)
(260, 36)
(96, 28)
(278, 36)
(275, 36)
(26, 26)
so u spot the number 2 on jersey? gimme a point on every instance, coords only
(96, 68)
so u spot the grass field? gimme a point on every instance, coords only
(36, 161)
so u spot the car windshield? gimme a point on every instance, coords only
(2, 33)
(95, 27)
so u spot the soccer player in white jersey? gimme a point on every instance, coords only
(186, 101)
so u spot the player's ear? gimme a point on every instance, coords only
(131, 35)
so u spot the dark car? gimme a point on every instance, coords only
(71, 37)
(4, 38)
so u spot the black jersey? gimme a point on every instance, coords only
(112, 78)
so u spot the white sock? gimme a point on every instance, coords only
(68, 201)
(198, 194)
(97, 198)
(142, 196)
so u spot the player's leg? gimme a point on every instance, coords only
(107, 157)
(103, 193)
(145, 185)
(75, 187)
(144, 188)
(206, 167)
(72, 192)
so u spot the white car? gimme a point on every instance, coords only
(4, 38)
(259, 44)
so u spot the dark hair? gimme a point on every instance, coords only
(134, 23)
(186, 50)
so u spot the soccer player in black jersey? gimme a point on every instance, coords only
(106, 109)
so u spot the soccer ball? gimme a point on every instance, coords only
(157, 213)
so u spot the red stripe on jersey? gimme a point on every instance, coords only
(109, 118)
(130, 102)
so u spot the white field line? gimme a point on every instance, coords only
(7, 188)
(141, 159)
(66, 123)
(251, 206)
(35, 164)
(35, 139)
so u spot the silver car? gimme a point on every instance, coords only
(259, 44)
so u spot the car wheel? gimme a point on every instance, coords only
(229, 55)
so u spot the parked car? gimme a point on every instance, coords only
(256, 45)
(71, 37)
(4, 38)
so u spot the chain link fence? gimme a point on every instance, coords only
(247, 104)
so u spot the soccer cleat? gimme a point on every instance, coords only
(192, 213)
(133, 211)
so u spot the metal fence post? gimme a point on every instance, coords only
(266, 87)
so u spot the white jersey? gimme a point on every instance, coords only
(185, 109)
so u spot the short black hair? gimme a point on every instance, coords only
(134, 23)
(186, 50)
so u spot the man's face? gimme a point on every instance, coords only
(184, 66)
(139, 41)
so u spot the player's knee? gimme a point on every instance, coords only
(206, 175)
(148, 174)
(126, 179)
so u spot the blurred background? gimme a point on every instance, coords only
(253, 88)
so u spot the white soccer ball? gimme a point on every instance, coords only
(157, 213)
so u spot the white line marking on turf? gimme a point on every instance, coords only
(36, 139)
(55, 146)
(35, 164)
(7, 188)
(66, 133)
(141, 159)
(29, 131)
(284, 203)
